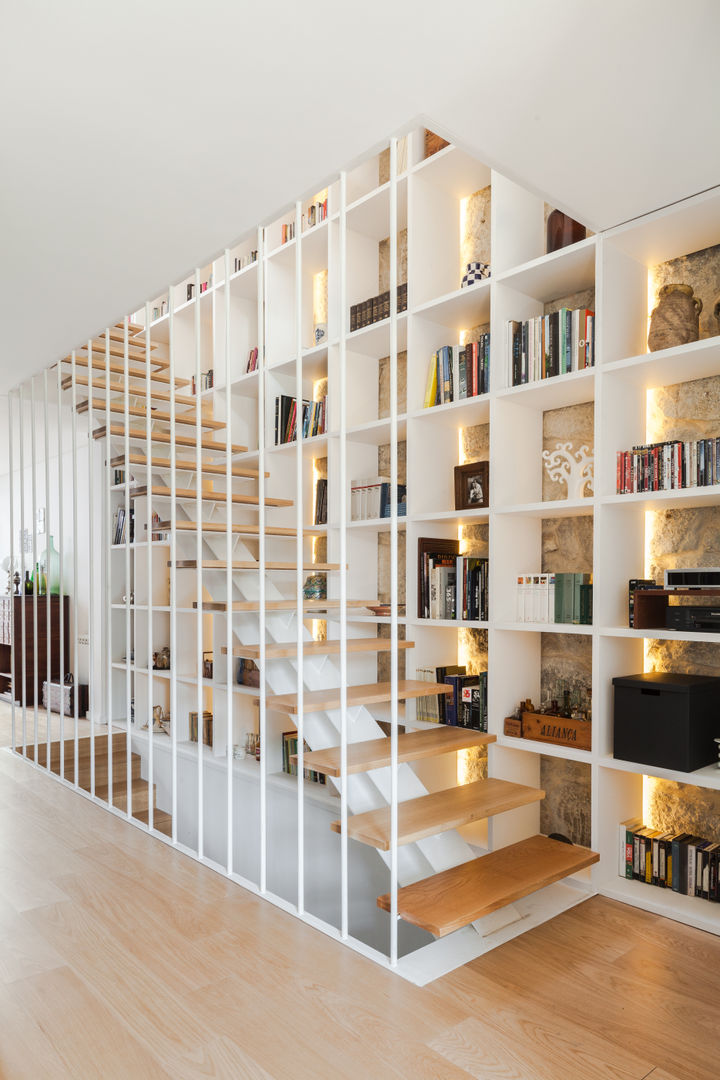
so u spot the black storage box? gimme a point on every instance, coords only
(667, 720)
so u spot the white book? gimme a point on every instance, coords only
(551, 599)
(520, 598)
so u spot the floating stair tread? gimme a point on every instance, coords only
(207, 496)
(367, 694)
(182, 465)
(155, 414)
(240, 528)
(118, 335)
(279, 605)
(318, 648)
(412, 746)
(453, 898)
(440, 811)
(117, 431)
(119, 369)
(135, 352)
(220, 564)
(133, 391)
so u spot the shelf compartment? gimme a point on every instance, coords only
(677, 499)
(533, 746)
(314, 364)
(374, 340)
(455, 517)
(467, 412)
(453, 898)
(666, 367)
(454, 171)
(559, 508)
(375, 432)
(553, 393)
(460, 309)
(370, 214)
(707, 777)
(439, 812)
(569, 270)
(412, 746)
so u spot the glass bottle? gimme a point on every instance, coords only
(28, 584)
(52, 568)
(566, 711)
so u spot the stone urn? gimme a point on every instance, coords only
(716, 313)
(676, 319)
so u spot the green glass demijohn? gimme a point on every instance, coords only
(51, 561)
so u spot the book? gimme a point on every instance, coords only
(550, 345)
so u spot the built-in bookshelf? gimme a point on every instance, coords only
(279, 308)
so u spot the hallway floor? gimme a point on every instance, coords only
(121, 958)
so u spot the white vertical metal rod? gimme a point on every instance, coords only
(300, 551)
(48, 600)
(228, 574)
(75, 490)
(61, 560)
(149, 567)
(23, 613)
(109, 561)
(393, 558)
(261, 552)
(200, 701)
(129, 652)
(173, 568)
(36, 583)
(91, 571)
(11, 477)
(343, 563)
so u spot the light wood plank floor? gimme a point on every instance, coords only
(69, 725)
(120, 958)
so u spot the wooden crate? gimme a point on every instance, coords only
(541, 727)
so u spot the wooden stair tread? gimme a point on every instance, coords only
(118, 335)
(117, 349)
(133, 391)
(139, 434)
(155, 414)
(366, 694)
(162, 821)
(412, 746)
(182, 465)
(279, 605)
(220, 564)
(207, 496)
(453, 898)
(119, 369)
(439, 811)
(318, 648)
(240, 528)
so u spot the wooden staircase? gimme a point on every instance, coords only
(139, 788)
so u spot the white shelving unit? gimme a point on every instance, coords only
(265, 829)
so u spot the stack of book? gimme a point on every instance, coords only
(376, 308)
(290, 748)
(316, 213)
(206, 381)
(370, 499)
(668, 466)
(287, 232)
(245, 260)
(155, 534)
(252, 362)
(314, 418)
(465, 707)
(321, 502)
(458, 371)
(554, 598)
(120, 532)
(452, 586)
(550, 345)
(679, 861)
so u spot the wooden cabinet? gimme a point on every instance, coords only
(35, 645)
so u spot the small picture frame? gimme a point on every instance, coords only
(472, 485)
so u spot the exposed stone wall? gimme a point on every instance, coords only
(475, 239)
(701, 269)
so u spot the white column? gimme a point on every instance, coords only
(299, 556)
(393, 557)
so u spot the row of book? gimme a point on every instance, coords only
(679, 861)
(204, 286)
(289, 749)
(550, 345)
(252, 360)
(287, 232)
(371, 498)
(314, 418)
(668, 466)
(155, 534)
(453, 587)
(321, 502)
(245, 260)
(554, 598)
(376, 308)
(207, 381)
(315, 213)
(458, 371)
(120, 526)
(465, 707)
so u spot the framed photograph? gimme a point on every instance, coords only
(472, 485)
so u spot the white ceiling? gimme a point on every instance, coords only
(140, 137)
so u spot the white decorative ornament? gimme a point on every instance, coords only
(575, 467)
